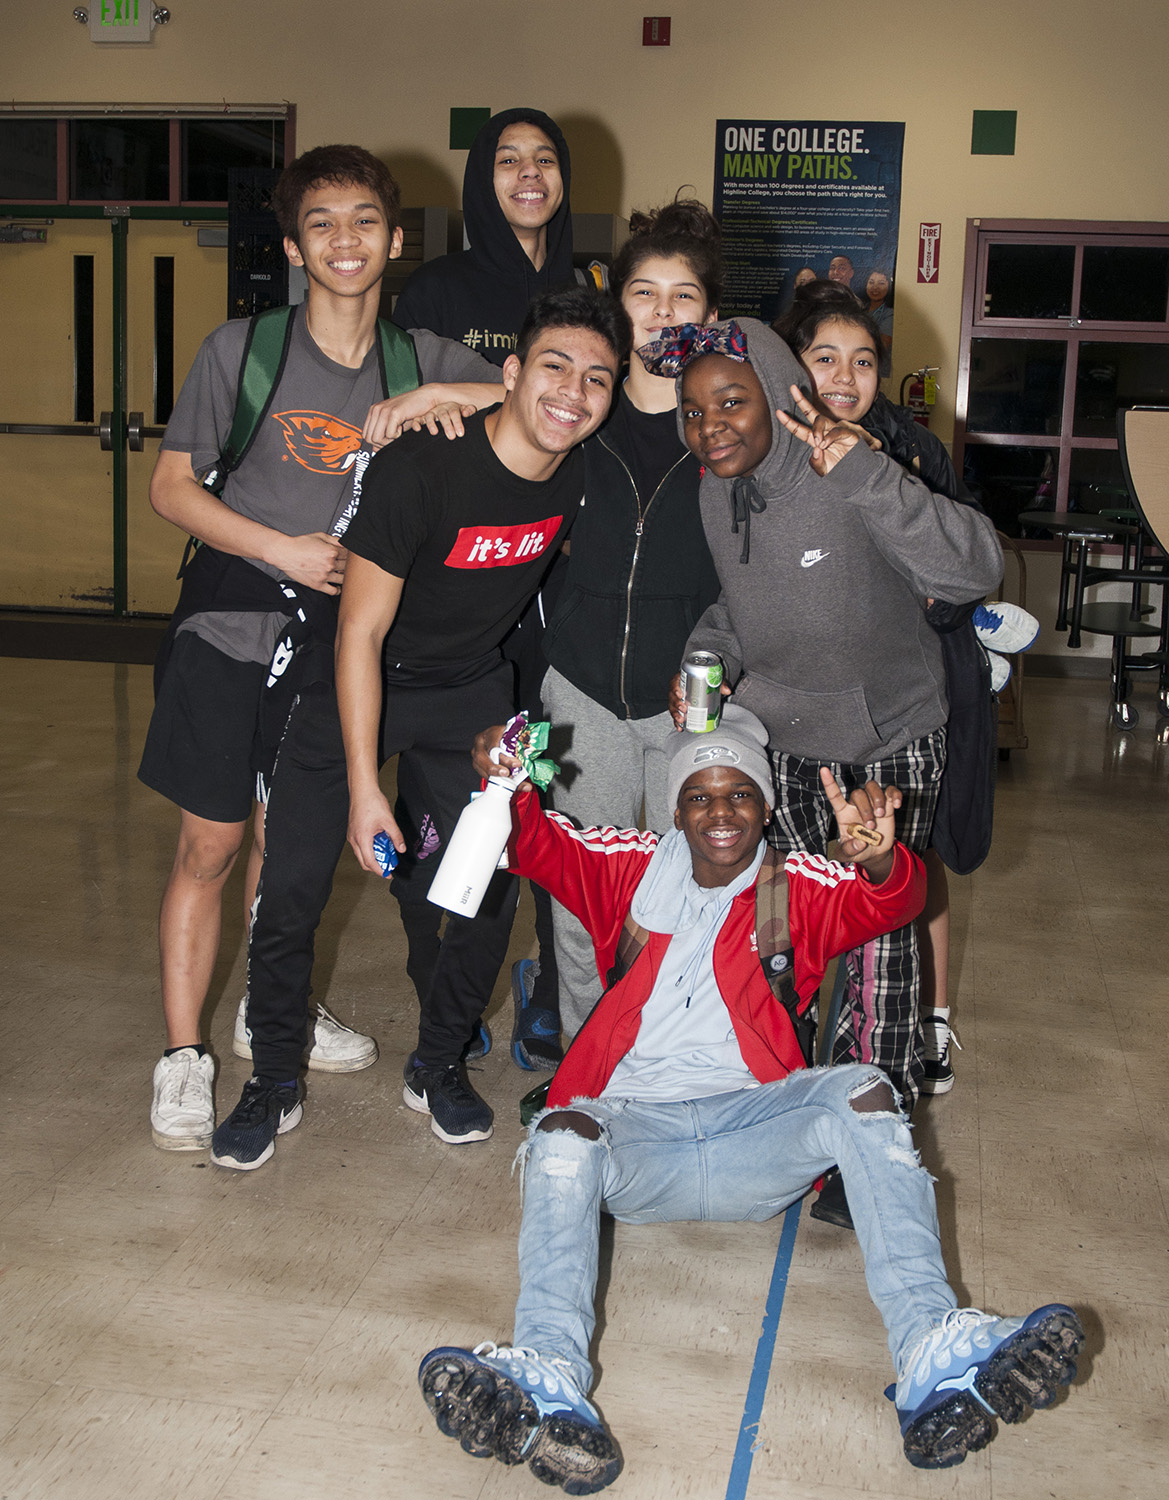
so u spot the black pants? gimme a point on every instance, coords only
(431, 729)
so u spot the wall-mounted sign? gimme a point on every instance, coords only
(807, 198)
(929, 252)
(121, 20)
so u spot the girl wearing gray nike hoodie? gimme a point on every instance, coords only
(826, 555)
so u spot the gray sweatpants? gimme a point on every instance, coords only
(612, 767)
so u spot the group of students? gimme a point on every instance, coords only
(436, 471)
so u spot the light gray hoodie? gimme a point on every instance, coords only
(823, 629)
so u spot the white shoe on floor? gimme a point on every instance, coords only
(182, 1115)
(334, 1048)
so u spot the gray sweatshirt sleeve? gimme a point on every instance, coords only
(945, 550)
(714, 632)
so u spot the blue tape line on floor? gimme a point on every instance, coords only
(764, 1350)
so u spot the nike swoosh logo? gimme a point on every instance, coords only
(810, 559)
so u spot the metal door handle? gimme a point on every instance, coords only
(135, 438)
(105, 431)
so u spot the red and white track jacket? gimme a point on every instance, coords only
(594, 873)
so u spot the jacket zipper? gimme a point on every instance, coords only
(638, 531)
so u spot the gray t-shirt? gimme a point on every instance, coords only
(298, 474)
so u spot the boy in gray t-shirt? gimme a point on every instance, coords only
(339, 209)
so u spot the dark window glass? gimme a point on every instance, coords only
(212, 147)
(1110, 376)
(83, 338)
(1008, 480)
(1029, 281)
(1016, 385)
(28, 160)
(1096, 481)
(120, 160)
(1125, 284)
(164, 337)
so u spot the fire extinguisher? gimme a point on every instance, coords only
(919, 391)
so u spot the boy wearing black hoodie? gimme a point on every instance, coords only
(519, 227)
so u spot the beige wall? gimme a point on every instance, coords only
(1086, 78)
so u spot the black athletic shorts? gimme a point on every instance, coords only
(198, 750)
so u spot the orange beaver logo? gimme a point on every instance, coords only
(318, 441)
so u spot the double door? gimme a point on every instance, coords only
(102, 317)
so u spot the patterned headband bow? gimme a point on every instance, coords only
(678, 347)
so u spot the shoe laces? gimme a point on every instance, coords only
(179, 1088)
(450, 1080)
(253, 1102)
(551, 1371)
(990, 618)
(954, 1337)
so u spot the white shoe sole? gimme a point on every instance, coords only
(421, 1107)
(320, 1065)
(180, 1142)
(289, 1122)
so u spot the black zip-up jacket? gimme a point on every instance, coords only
(639, 576)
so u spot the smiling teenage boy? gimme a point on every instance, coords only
(338, 207)
(685, 1096)
(519, 234)
(449, 545)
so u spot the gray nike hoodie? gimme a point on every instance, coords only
(822, 628)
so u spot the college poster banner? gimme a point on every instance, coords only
(803, 198)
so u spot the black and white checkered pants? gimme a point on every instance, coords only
(878, 1021)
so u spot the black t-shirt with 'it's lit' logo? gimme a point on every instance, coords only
(471, 539)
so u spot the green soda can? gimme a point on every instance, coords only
(702, 679)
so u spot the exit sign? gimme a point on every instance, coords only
(121, 20)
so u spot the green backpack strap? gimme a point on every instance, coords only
(776, 953)
(397, 360)
(264, 357)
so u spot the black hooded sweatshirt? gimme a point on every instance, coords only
(479, 296)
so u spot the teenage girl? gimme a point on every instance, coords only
(840, 346)
(639, 574)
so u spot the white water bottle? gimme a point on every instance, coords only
(473, 854)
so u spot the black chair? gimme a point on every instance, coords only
(1143, 435)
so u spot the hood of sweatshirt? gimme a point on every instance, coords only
(493, 243)
(778, 370)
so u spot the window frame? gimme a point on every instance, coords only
(175, 116)
(1072, 331)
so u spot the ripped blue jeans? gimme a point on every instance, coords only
(737, 1156)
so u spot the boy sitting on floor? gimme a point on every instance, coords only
(686, 1096)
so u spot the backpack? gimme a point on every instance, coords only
(265, 355)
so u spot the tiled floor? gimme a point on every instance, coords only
(170, 1329)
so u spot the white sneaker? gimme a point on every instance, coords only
(335, 1047)
(1000, 671)
(182, 1116)
(1005, 627)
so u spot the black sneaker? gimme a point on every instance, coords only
(535, 1033)
(937, 1038)
(457, 1114)
(832, 1204)
(247, 1138)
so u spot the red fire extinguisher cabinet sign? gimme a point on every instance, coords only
(929, 252)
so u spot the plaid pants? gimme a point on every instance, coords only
(878, 1020)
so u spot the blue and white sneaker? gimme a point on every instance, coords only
(535, 1033)
(247, 1138)
(1005, 627)
(974, 1367)
(479, 1045)
(520, 1406)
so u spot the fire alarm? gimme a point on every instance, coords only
(655, 31)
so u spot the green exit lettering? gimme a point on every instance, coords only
(120, 13)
